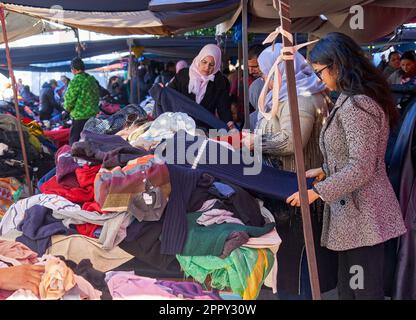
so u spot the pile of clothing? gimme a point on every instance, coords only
(112, 202)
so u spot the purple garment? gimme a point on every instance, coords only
(189, 290)
(110, 150)
(38, 226)
(235, 240)
(65, 167)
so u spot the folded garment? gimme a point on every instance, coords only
(210, 240)
(56, 280)
(16, 212)
(142, 188)
(187, 290)
(95, 278)
(217, 216)
(83, 193)
(78, 247)
(65, 167)
(114, 224)
(18, 251)
(114, 123)
(243, 271)
(126, 285)
(235, 240)
(110, 150)
(38, 226)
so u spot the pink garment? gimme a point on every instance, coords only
(198, 82)
(125, 285)
(270, 241)
(17, 251)
(87, 290)
(208, 204)
(181, 64)
(217, 216)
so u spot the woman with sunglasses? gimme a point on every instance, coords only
(204, 83)
(361, 210)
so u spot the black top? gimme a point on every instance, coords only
(216, 98)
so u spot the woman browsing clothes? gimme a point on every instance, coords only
(205, 84)
(361, 210)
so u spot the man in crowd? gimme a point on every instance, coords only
(81, 98)
(47, 100)
(254, 74)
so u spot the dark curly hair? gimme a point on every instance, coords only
(356, 73)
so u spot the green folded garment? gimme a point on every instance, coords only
(210, 240)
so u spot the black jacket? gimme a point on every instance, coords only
(216, 97)
(47, 102)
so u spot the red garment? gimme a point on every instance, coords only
(92, 206)
(85, 193)
(86, 175)
(77, 195)
(87, 229)
(60, 137)
(26, 120)
(236, 140)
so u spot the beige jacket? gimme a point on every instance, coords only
(277, 139)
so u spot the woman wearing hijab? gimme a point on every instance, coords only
(277, 140)
(205, 84)
(181, 64)
(278, 151)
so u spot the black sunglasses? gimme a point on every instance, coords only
(319, 72)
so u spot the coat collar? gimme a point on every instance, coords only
(340, 101)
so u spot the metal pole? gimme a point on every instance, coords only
(129, 74)
(245, 63)
(285, 21)
(16, 105)
(239, 70)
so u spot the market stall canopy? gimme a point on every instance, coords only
(20, 26)
(319, 17)
(135, 17)
(164, 17)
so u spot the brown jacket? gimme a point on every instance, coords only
(361, 208)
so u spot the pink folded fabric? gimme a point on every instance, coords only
(124, 285)
(17, 251)
(217, 216)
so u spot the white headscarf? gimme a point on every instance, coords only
(307, 83)
(197, 82)
(181, 64)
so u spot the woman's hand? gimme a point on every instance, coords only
(317, 173)
(230, 125)
(21, 277)
(294, 199)
(248, 140)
